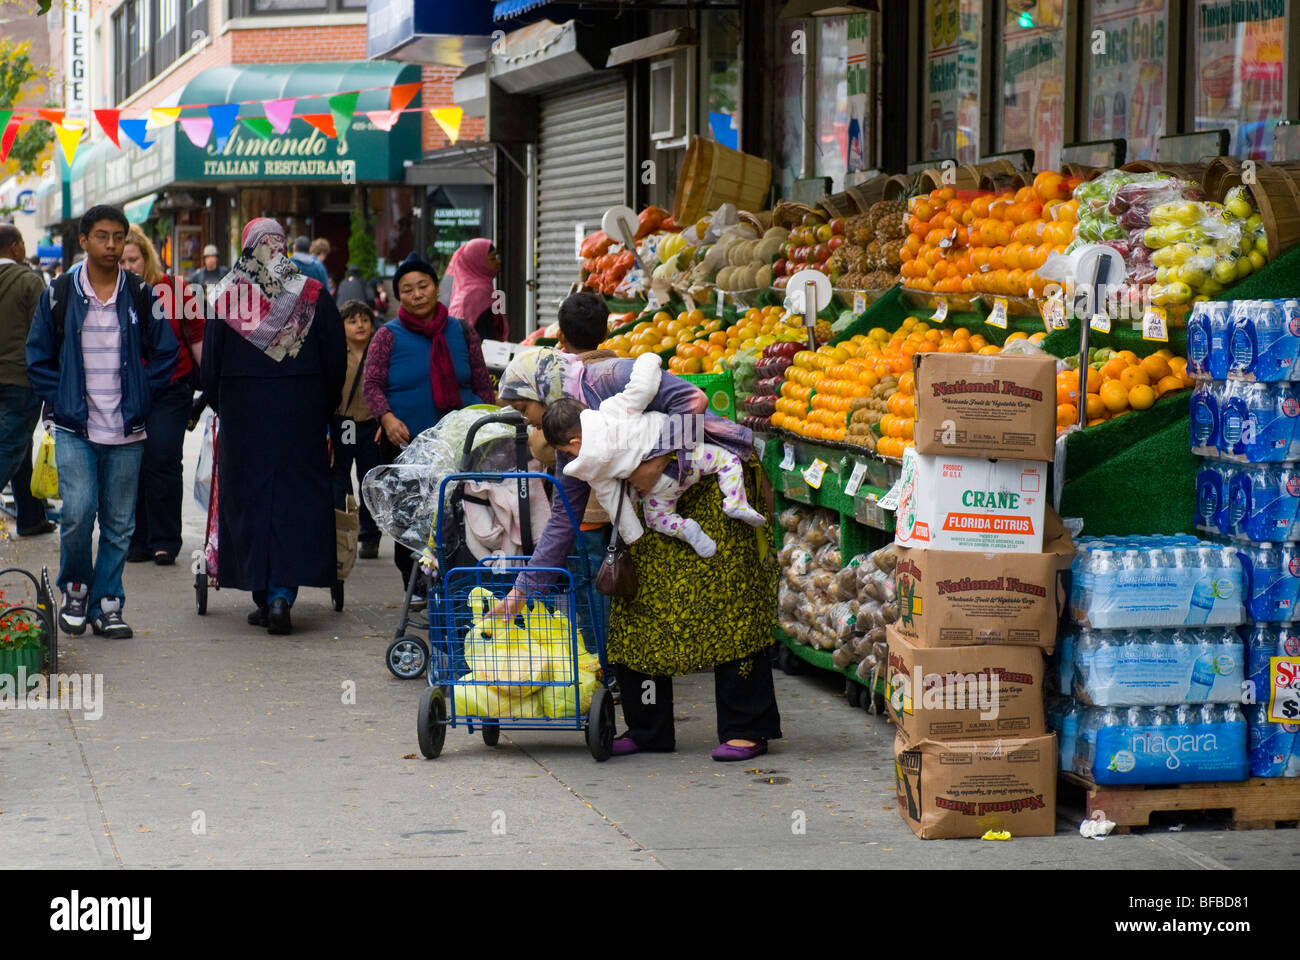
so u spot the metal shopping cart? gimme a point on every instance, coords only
(537, 671)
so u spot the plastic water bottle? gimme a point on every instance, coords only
(1287, 592)
(1201, 331)
(1270, 746)
(1262, 566)
(1204, 589)
(1203, 671)
(1206, 429)
(1260, 342)
(1213, 486)
(1257, 422)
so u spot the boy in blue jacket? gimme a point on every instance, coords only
(100, 347)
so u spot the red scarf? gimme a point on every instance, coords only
(442, 372)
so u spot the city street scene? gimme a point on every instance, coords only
(682, 434)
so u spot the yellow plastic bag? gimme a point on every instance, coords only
(45, 474)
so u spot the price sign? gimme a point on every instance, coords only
(940, 312)
(998, 315)
(1155, 324)
(1284, 690)
(787, 462)
(859, 302)
(855, 478)
(1053, 311)
(890, 500)
(722, 299)
(1100, 322)
(815, 473)
(760, 446)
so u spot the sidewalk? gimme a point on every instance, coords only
(209, 722)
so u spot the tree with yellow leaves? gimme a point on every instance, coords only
(21, 79)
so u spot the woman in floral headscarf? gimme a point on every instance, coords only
(274, 361)
(689, 613)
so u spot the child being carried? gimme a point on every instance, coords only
(608, 444)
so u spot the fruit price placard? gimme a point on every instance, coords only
(1284, 690)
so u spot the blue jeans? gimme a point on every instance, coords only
(19, 411)
(263, 598)
(96, 479)
(594, 543)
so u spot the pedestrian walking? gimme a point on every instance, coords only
(354, 287)
(420, 367)
(308, 264)
(157, 534)
(320, 249)
(212, 269)
(273, 365)
(354, 428)
(35, 263)
(20, 292)
(688, 613)
(471, 272)
(98, 352)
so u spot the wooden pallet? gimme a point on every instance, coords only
(1255, 804)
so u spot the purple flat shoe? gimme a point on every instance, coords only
(624, 746)
(727, 752)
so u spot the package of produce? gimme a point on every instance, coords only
(1272, 747)
(1158, 667)
(1118, 583)
(810, 569)
(1184, 744)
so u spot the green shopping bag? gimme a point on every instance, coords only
(45, 474)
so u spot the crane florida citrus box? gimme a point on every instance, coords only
(964, 788)
(974, 406)
(952, 599)
(971, 504)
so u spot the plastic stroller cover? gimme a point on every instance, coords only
(403, 496)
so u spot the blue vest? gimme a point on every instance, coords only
(410, 395)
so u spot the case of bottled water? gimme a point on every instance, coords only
(1063, 715)
(1158, 667)
(1271, 574)
(1272, 747)
(1207, 340)
(1169, 744)
(1263, 642)
(1172, 581)
(1263, 340)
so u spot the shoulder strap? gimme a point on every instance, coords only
(361, 372)
(139, 291)
(60, 290)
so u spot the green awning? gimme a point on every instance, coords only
(138, 211)
(302, 152)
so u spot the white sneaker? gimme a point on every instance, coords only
(109, 623)
(72, 616)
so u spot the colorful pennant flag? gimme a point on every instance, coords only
(69, 134)
(135, 128)
(343, 106)
(384, 119)
(260, 126)
(324, 122)
(280, 113)
(449, 119)
(198, 129)
(223, 121)
(164, 116)
(401, 95)
(54, 116)
(11, 125)
(108, 123)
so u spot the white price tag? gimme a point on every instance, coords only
(1155, 325)
(1053, 311)
(859, 302)
(1100, 322)
(998, 315)
(760, 446)
(855, 478)
(1284, 690)
(890, 500)
(814, 474)
(653, 301)
(940, 312)
(787, 462)
(722, 299)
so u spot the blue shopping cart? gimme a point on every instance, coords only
(539, 670)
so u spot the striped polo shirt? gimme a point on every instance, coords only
(101, 358)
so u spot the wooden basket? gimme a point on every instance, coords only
(712, 175)
(898, 187)
(965, 178)
(761, 221)
(788, 213)
(1187, 171)
(999, 174)
(841, 204)
(1082, 171)
(1276, 191)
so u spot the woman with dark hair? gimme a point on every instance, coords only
(274, 360)
(419, 368)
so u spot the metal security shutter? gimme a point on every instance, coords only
(581, 173)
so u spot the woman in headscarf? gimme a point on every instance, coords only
(471, 271)
(689, 613)
(274, 361)
(419, 368)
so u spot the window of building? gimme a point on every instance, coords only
(791, 43)
(951, 83)
(830, 147)
(720, 91)
(1237, 71)
(258, 8)
(1125, 69)
(1030, 74)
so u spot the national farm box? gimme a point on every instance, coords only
(975, 406)
(971, 504)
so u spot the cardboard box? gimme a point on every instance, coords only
(973, 406)
(971, 504)
(952, 599)
(964, 788)
(963, 693)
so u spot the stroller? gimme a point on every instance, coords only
(205, 568)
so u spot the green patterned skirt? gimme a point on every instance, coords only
(691, 614)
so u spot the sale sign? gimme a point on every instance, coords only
(1284, 690)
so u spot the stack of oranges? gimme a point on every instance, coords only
(1118, 384)
(664, 332)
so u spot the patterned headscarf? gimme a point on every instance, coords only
(544, 374)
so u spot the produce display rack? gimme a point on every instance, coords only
(1254, 804)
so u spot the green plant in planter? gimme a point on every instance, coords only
(19, 631)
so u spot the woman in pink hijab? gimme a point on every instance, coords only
(472, 269)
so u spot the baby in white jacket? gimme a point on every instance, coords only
(608, 444)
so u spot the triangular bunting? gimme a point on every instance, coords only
(135, 128)
(279, 113)
(198, 129)
(108, 123)
(54, 116)
(384, 119)
(11, 126)
(69, 134)
(401, 95)
(324, 122)
(343, 106)
(260, 126)
(164, 116)
(449, 119)
(223, 121)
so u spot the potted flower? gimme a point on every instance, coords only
(22, 640)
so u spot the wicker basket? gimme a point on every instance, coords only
(841, 205)
(1276, 191)
(713, 175)
(760, 221)
(788, 213)
(1186, 171)
(965, 177)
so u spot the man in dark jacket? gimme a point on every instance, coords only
(99, 349)
(308, 264)
(20, 291)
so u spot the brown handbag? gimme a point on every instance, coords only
(617, 574)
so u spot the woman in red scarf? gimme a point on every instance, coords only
(472, 270)
(420, 367)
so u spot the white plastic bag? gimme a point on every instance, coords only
(203, 475)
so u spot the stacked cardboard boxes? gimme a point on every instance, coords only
(982, 579)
